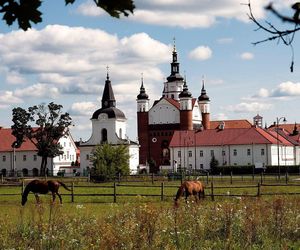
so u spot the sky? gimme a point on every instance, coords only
(64, 60)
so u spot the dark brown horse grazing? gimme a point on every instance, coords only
(188, 188)
(43, 187)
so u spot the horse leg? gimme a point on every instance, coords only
(53, 197)
(37, 198)
(59, 196)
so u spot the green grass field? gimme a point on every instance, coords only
(233, 221)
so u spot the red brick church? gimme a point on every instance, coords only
(175, 110)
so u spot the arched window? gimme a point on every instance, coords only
(120, 133)
(104, 135)
(35, 172)
(3, 172)
(25, 171)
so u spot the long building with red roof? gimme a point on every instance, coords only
(231, 146)
(25, 161)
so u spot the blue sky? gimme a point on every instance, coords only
(64, 60)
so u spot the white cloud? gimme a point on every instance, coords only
(73, 60)
(286, 89)
(8, 97)
(187, 14)
(83, 108)
(283, 90)
(247, 56)
(38, 90)
(89, 9)
(225, 40)
(201, 53)
(248, 107)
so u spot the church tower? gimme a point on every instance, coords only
(186, 109)
(142, 123)
(174, 84)
(204, 105)
(108, 126)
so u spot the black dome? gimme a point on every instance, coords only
(112, 112)
(142, 96)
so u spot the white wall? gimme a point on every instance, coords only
(263, 154)
(164, 113)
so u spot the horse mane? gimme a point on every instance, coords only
(26, 190)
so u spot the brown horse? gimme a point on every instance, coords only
(188, 188)
(43, 187)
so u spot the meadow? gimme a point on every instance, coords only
(146, 222)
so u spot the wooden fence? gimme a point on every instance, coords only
(211, 190)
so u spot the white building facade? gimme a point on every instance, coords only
(230, 147)
(25, 161)
(108, 126)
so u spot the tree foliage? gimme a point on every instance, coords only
(213, 162)
(26, 12)
(109, 160)
(286, 34)
(50, 124)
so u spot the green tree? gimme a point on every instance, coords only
(26, 12)
(109, 160)
(51, 125)
(214, 163)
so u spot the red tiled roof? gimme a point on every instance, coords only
(229, 136)
(231, 124)
(173, 102)
(6, 140)
(289, 127)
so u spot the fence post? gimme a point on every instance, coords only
(115, 192)
(231, 177)
(286, 177)
(258, 189)
(207, 174)
(152, 177)
(212, 191)
(72, 192)
(2, 179)
(162, 192)
(261, 177)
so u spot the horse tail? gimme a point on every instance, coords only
(64, 185)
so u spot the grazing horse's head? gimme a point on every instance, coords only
(24, 200)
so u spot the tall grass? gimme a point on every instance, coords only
(230, 224)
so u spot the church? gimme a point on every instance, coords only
(177, 132)
(175, 110)
(108, 126)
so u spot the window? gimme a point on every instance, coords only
(190, 154)
(248, 151)
(235, 152)
(3, 158)
(212, 153)
(120, 133)
(68, 154)
(104, 135)
(24, 157)
(35, 157)
(64, 144)
(179, 154)
(223, 153)
(262, 151)
(201, 153)
(201, 166)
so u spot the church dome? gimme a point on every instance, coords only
(203, 96)
(111, 112)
